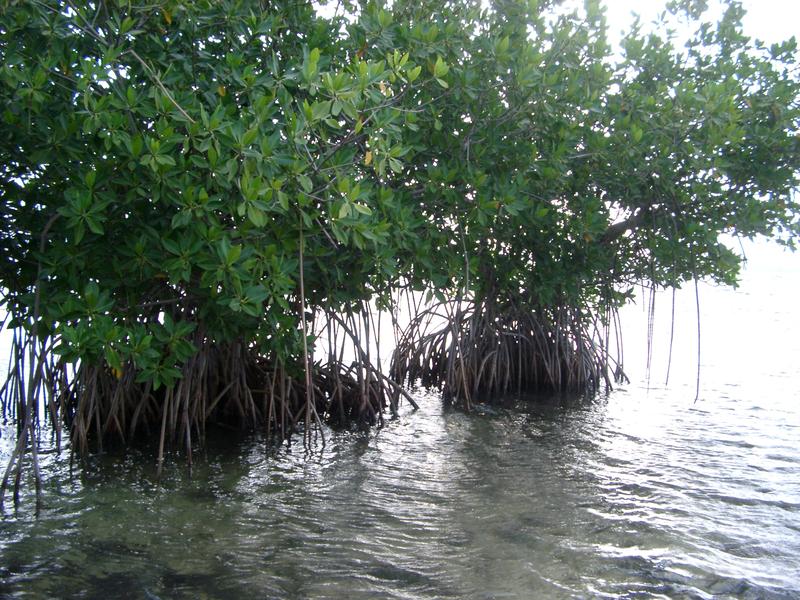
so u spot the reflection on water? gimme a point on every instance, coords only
(641, 494)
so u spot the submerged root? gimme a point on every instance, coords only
(227, 384)
(480, 351)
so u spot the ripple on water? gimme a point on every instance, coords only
(598, 499)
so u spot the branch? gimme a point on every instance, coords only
(617, 230)
(155, 78)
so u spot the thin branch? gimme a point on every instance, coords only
(160, 85)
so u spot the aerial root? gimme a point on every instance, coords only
(226, 383)
(478, 350)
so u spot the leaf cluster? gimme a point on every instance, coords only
(182, 151)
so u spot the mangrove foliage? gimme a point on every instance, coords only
(277, 214)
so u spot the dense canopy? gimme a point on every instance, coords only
(208, 206)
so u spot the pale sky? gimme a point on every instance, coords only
(768, 20)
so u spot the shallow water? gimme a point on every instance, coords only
(641, 494)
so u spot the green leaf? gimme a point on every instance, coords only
(233, 254)
(256, 294)
(181, 219)
(305, 183)
(171, 246)
(502, 45)
(320, 110)
(313, 56)
(440, 68)
(94, 225)
(249, 136)
(256, 216)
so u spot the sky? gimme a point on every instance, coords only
(768, 20)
